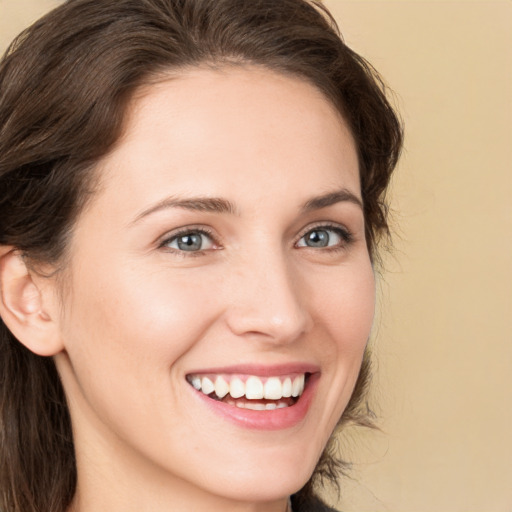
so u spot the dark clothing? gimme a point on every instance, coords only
(310, 505)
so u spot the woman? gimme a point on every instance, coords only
(192, 195)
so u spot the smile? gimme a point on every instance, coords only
(251, 391)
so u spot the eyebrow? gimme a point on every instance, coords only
(220, 205)
(338, 196)
(201, 204)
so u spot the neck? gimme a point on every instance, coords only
(116, 493)
(114, 480)
(87, 502)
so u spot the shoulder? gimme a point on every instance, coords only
(311, 505)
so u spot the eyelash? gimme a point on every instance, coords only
(187, 231)
(345, 235)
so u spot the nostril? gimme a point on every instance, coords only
(276, 328)
(267, 300)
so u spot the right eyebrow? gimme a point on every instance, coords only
(202, 204)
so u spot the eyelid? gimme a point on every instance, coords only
(346, 235)
(199, 229)
(162, 243)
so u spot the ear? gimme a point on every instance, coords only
(28, 305)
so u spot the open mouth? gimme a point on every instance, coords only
(250, 391)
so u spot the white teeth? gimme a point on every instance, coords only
(207, 386)
(273, 389)
(236, 388)
(254, 388)
(255, 407)
(261, 407)
(298, 385)
(221, 387)
(302, 384)
(287, 387)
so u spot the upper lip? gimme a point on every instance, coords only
(258, 370)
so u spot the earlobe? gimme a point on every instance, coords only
(25, 307)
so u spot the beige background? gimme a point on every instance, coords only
(443, 387)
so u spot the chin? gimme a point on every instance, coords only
(269, 475)
(268, 483)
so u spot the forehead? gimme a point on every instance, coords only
(206, 128)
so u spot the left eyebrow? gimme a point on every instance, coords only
(338, 196)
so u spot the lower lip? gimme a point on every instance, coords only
(275, 419)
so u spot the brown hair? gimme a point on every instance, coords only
(65, 84)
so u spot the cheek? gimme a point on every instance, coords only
(346, 307)
(137, 313)
(345, 312)
(126, 332)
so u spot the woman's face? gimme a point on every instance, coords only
(224, 249)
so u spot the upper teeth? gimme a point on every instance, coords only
(252, 387)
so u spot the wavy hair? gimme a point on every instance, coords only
(65, 84)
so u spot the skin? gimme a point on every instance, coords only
(139, 314)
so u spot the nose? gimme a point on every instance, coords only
(266, 300)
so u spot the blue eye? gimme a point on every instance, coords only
(324, 236)
(190, 241)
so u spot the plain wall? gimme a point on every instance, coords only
(442, 339)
